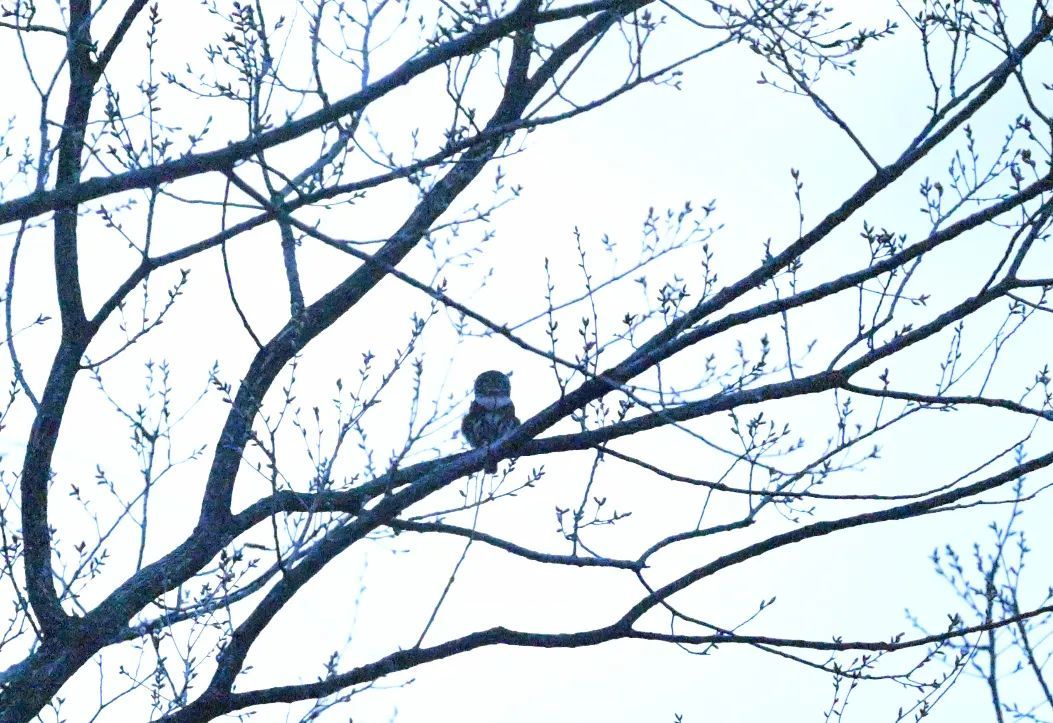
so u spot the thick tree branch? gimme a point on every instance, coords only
(475, 40)
(404, 660)
(36, 468)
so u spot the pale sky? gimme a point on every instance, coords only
(723, 137)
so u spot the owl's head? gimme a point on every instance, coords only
(492, 384)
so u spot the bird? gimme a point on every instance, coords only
(492, 414)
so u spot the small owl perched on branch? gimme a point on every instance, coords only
(492, 414)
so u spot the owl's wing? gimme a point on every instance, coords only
(509, 421)
(468, 427)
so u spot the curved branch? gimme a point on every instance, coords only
(518, 550)
(403, 660)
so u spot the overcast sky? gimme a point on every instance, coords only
(721, 136)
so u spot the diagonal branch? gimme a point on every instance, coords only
(219, 160)
(820, 529)
(118, 34)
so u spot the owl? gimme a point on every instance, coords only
(492, 414)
